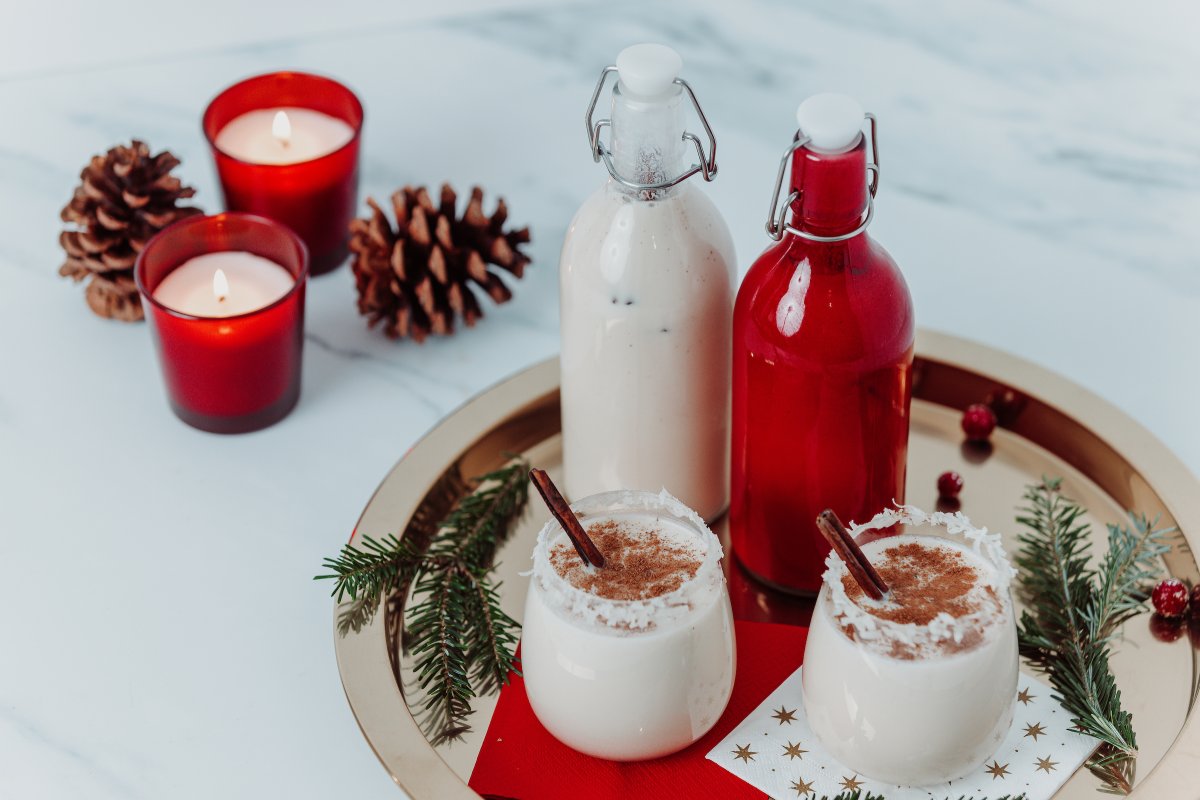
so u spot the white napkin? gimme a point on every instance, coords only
(774, 750)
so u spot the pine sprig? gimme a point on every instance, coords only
(1074, 612)
(367, 574)
(438, 628)
(462, 642)
(493, 639)
(1126, 573)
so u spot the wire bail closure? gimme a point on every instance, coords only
(777, 217)
(707, 166)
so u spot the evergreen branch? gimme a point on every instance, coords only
(494, 636)
(1075, 611)
(1114, 768)
(358, 570)
(368, 573)
(439, 631)
(462, 642)
(1126, 573)
(478, 525)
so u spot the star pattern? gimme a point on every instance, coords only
(772, 771)
(783, 715)
(744, 753)
(793, 751)
(802, 788)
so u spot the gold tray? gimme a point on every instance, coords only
(1108, 462)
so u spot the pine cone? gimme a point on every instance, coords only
(126, 196)
(416, 277)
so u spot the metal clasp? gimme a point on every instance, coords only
(707, 166)
(777, 217)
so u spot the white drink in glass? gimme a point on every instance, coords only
(915, 703)
(629, 679)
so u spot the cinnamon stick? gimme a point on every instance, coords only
(562, 512)
(848, 550)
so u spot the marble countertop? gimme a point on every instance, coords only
(162, 636)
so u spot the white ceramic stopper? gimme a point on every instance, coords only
(832, 122)
(648, 70)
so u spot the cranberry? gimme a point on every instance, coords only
(1170, 598)
(1194, 599)
(978, 422)
(949, 484)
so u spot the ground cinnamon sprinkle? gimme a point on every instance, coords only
(638, 563)
(923, 582)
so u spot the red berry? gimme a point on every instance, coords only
(1194, 599)
(949, 484)
(978, 422)
(1170, 598)
(1166, 629)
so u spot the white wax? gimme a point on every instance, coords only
(253, 281)
(313, 134)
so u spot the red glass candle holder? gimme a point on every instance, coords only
(227, 374)
(315, 198)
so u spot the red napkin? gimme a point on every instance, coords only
(521, 760)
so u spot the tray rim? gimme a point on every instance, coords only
(415, 766)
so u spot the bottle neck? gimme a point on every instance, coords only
(647, 139)
(832, 187)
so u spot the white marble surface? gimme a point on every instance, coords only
(162, 636)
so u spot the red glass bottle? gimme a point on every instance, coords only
(822, 361)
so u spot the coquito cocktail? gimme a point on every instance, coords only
(635, 659)
(918, 687)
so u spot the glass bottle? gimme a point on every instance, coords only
(822, 360)
(646, 290)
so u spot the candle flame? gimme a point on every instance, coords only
(220, 285)
(281, 128)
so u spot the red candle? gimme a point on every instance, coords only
(227, 373)
(300, 168)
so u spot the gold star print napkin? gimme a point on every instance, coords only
(774, 750)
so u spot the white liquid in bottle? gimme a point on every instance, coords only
(646, 303)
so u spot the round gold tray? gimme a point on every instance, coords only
(1108, 462)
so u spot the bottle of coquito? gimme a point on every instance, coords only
(646, 280)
